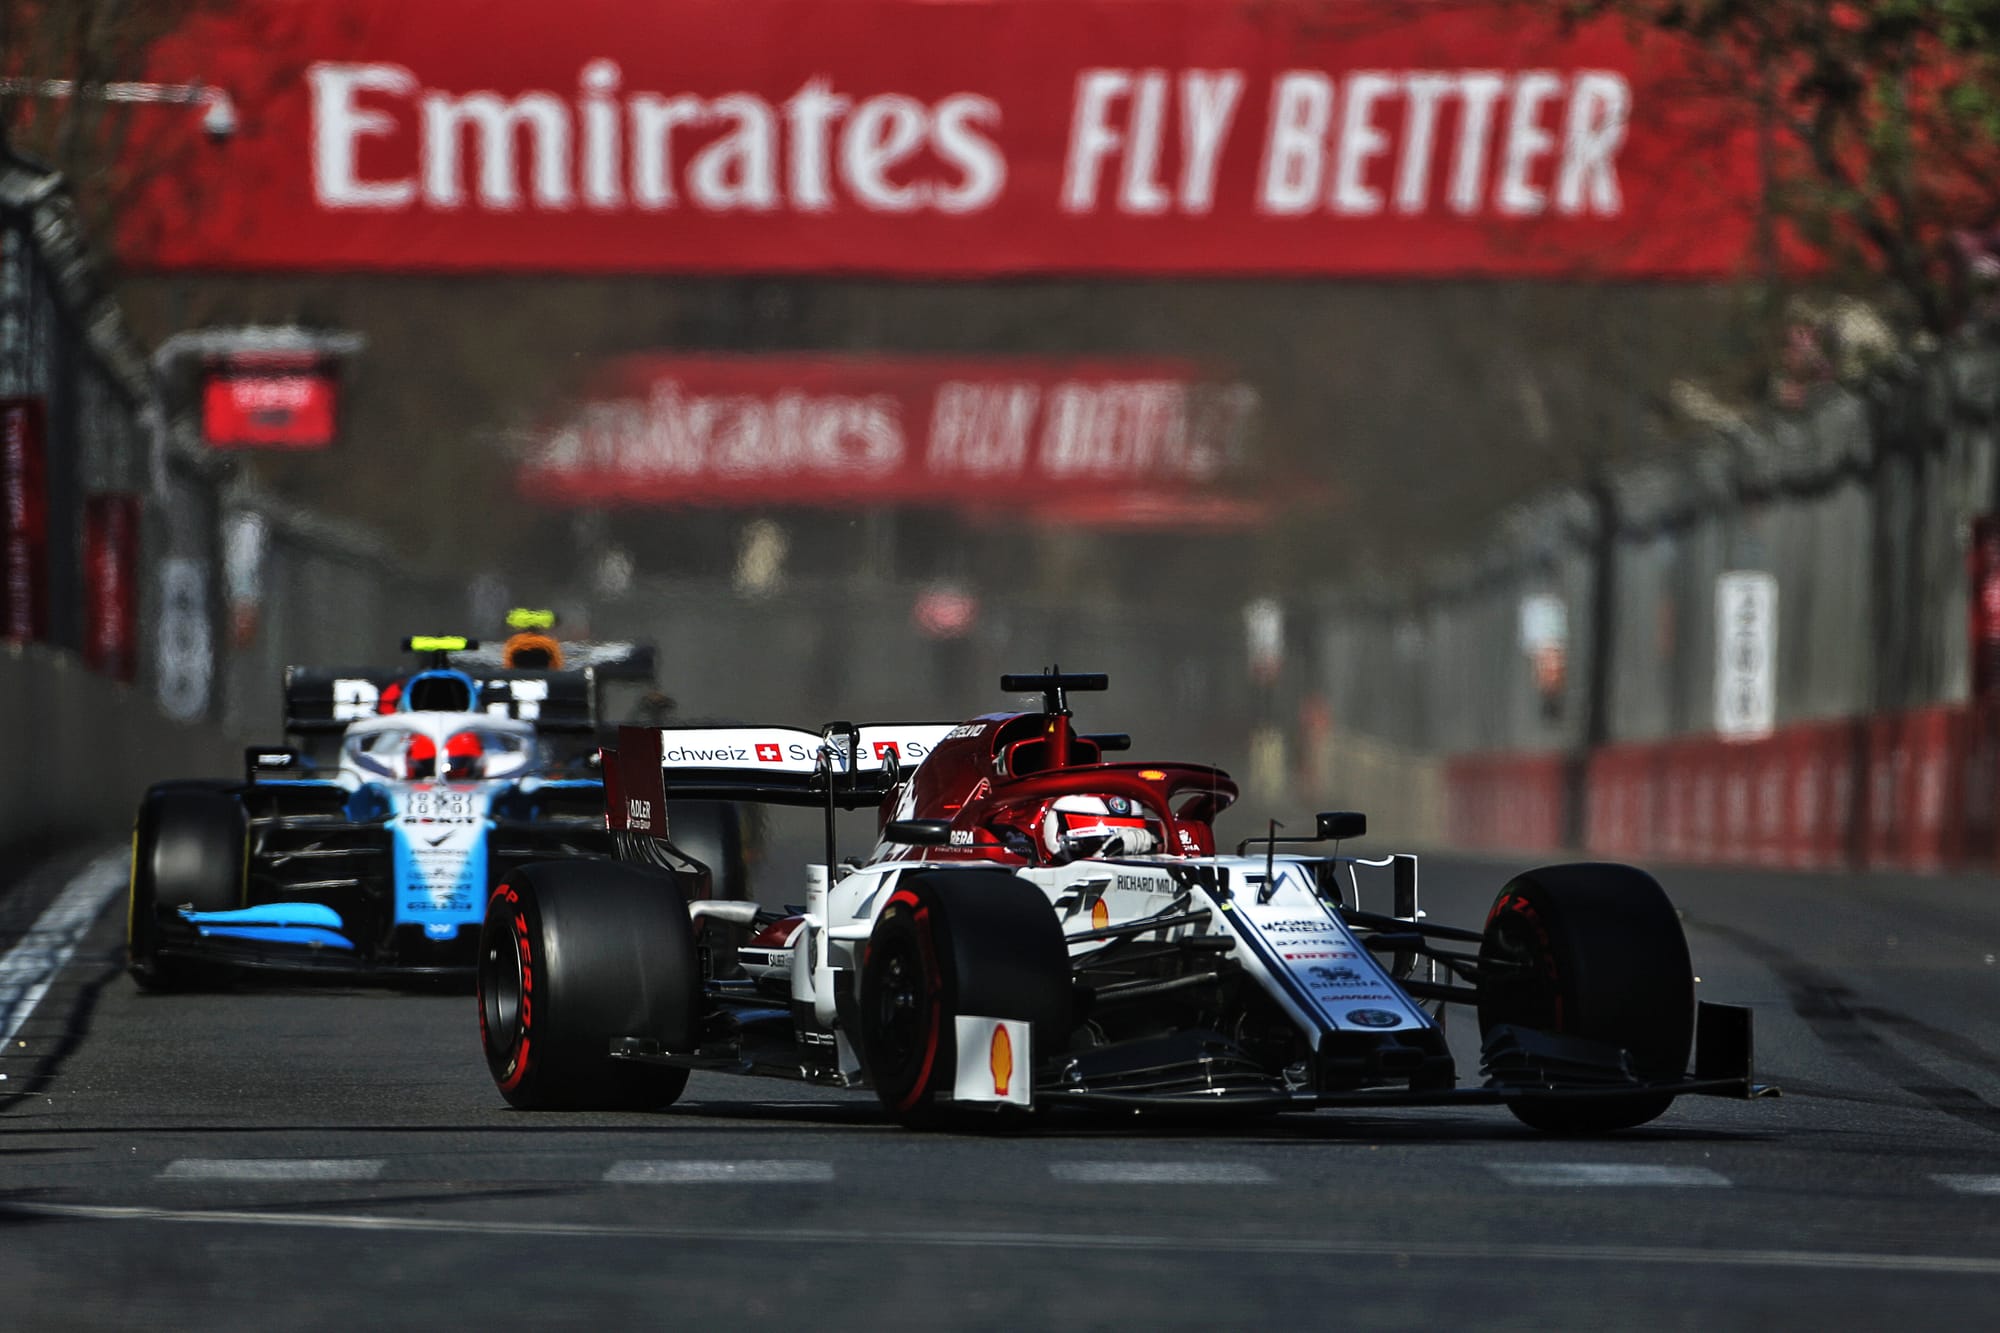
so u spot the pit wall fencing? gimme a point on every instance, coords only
(1913, 791)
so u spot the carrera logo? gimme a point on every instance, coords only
(962, 837)
(638, 814)
(770, 754)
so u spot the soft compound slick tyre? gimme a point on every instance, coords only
(574, 955)
(190, 848)
(950, 943)
(1594, 951)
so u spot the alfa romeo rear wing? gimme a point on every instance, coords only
(842, 765)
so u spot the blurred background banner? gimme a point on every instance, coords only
(24, 494)
(957, 433)
(268, 401)
(111, 585)
(904, 137)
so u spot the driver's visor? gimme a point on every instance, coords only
(1077, 825)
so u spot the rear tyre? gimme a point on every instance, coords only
(972, 942)
(1593, 951)
(190, 848)
(572, 956)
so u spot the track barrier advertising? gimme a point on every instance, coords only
(1914, 791)
(965, 433)
(903, 137)
(24, 520)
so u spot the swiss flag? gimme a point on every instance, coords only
(768, 754)
(883, 749)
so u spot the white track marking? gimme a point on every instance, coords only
(695, 1172)
(273, 1168)
(783, 1237)
(1969, 1184)
(28, 968)
(1159, 1173)
(1607, 1173)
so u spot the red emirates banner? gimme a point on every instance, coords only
(1106, 440)
(929, 138)
(24, 511)
(268, 403)
(111, 585)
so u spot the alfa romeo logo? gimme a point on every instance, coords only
(1373, 1018)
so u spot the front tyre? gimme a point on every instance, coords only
(1593, 951)
(190, 848)
(574, 955)
(950, 943)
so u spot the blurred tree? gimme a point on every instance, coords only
(1878, 123)
(64, 100)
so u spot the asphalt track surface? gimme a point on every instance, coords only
(337, 1158)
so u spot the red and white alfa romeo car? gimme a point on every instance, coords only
(1039, 925)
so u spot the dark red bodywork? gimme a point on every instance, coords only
(994, 778)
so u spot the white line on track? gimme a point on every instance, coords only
(693, 1172)
(273, 1168)
(1969, 1184)
(1159, 1173)
(28, 968)
(1480, 1251)
(1607, 1173)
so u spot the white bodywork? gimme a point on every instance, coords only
(1306, 959)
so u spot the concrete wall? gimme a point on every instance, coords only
(80, 750)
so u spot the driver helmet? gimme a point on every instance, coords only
(1083, 826)
(420, 759)
(465, 757)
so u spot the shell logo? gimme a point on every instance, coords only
(1100, 915)
(1001, 1059)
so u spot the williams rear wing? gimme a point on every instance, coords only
(323, 700)
(845, 765)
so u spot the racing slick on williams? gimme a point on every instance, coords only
(1039, 925)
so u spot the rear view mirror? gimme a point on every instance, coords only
(918, 832)
(1339, 824)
